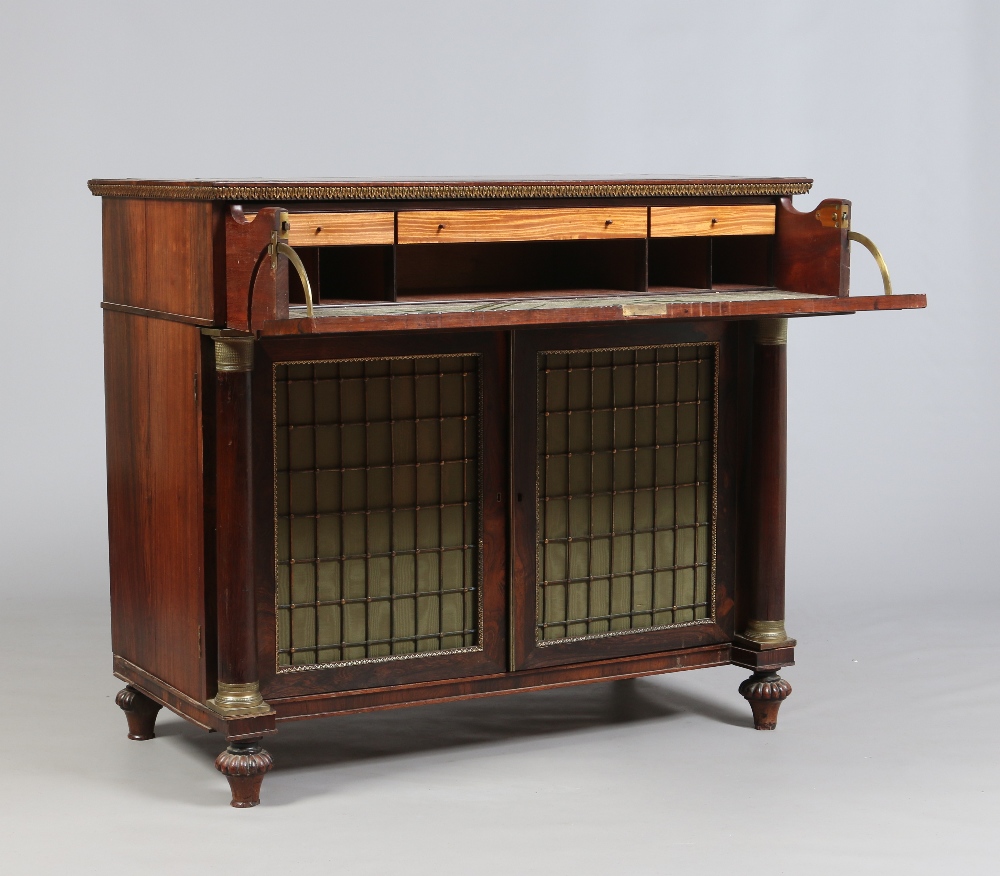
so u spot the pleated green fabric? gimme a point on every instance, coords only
(626, 449)
(377, 508)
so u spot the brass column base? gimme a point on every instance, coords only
(239, 699)
(760, 635)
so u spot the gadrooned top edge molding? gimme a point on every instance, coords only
(421, 191)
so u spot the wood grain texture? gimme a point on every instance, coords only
(757, 660)
(195, 711)
(140, 711)
(340, 229)
(156, 314)
(253, 290)
(244, 763)
(810, 256)
(483, 226)
(155, 497)
(397, 696)
(765, 691)
(711, 221)
(159, 255)
(704, 309)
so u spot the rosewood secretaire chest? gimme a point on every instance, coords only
(378, 444)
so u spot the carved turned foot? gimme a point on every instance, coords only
(244, 764)
(765, 691)
(140, 711)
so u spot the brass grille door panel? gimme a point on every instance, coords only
(380, 515)
(619, 537)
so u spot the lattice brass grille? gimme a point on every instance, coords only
(376, 508)
(626, 496)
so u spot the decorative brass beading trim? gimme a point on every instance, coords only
(713, 526)
(233, 354)
(280, 669)
(239, 699)
(766, 632)
(430, 191)
(772, 332)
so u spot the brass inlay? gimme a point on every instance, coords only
(629, 310)
(772, 332)
(233, 354)
(430, 191)
(239, 699)
(766, 632)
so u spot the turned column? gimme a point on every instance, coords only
(244, 762)
(765, 626)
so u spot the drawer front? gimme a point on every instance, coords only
(711, 221)
(481, 226)
(340, 229)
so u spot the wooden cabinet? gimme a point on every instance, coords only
(378, 444)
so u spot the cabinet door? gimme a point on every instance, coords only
(381, 509)
(623, 491)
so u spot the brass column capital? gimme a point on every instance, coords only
(772, 332)
(233, 354)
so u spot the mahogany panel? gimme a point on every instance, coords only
(483, 226)
(572, 316)
(508, 268)
(234, 727)
(771, 658)
(124, 251)
(811, 255)
(153, 371)
(179, 258)
(293, 708)
(254, 291)
(158, 255)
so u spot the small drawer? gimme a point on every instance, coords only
(481, 226)
(340, 229)
(711, 221)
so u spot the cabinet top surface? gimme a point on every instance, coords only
(440, 188)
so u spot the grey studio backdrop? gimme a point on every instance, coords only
(884, 759)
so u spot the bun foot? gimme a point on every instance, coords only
(765, 691)
(244, 764)
(140, 711)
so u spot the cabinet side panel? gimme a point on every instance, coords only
(155, 516)
(179, 258)
(124, 233)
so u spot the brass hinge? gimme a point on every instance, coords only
(834, 216)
